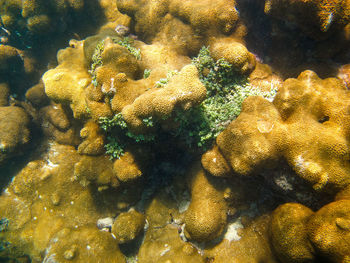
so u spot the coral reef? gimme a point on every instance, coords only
(25, 20)
(167, 136)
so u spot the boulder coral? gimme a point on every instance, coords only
(10, 61)
(67, 82)
(289, 233)
(183, 91)
(128, 226)
(300, 235)
(57, 124)
(93, 140)
(307, 124)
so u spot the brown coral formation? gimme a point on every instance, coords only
(187, 27)
(307, 124)
(67, 82)
(10, 62)
(288, 230)
(4, 94)
(61, 206)
(41, 17)
(98, 170)
(205, 218)
(93, 140)
(128, 226)
(57, 124)
(299, 235)
(183, 91)
(126, 168)
(46, 202)
(14, 131)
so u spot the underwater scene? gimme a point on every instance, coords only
(174, 131)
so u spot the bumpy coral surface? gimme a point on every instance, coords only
(167, 136)
(307, 124)
(326, 231)
(205, 218)
(53, 215)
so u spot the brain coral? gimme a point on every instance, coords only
(307, 124)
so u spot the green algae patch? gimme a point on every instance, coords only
(226, 91)
(196, 126)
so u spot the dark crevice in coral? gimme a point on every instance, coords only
(323, 119)
(282, 45)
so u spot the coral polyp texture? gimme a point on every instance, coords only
(175, 131)
(307, 124)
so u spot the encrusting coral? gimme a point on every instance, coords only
(54, 215)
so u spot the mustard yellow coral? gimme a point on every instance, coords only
(183, 91)
(205, 218)
(300, 235)
(307, 124)
(67, 82)
(288, 232)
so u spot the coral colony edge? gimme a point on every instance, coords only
(175, 131)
